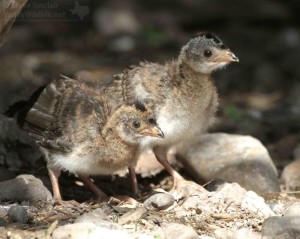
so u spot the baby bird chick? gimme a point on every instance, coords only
(72, 129)
(181, 93)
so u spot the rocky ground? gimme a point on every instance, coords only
(250, 170)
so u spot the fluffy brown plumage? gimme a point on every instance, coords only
(72, 128)
(181, 93)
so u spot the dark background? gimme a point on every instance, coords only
(259, 95)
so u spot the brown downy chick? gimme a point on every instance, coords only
(73, 130)
(181, 93)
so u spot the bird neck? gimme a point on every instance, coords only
(185, 74)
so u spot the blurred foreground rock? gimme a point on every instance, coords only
(233, 158)
(290, 176)
(286, 227)
(24, 188)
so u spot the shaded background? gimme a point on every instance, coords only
(259, 96)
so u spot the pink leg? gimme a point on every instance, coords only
(161, 156)
(92, 186)
(181, 187)
(134, 184)
(54, 174)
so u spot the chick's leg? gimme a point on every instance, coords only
(54, 174)
(92, 186)
(162, 155)
(181, 188)
(133, 180)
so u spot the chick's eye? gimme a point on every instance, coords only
(136, 124)
(151, 121)
(207, 53)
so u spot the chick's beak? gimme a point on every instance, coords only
(153, 131)
(225, 56)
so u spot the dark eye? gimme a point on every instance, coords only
(207, 53)
(136, 124)
(152, 121)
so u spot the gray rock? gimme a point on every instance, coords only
(290, 176)
(18, 213)
(159, 201)
(227, 233)
(99, 218)
(293, 210)
(233, 158)
(281, 227)
(174, 230)
(24, 188)
(87, 230)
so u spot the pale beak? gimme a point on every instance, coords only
(225, 56)
(153, 131)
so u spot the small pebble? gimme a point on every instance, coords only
(18, 213)
(159, 201)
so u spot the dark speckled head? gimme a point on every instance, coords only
(206, 52)
(213, 40)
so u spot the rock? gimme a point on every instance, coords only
(24, 188)
(87, 230)
(233, 158)
(159, 201)
(227, 233)
(281, 227)
(286, 227)
(174, 230)
(231, 191)
(18, 213)
(290, 176)
(132, 215)
(293, 210)
(255, 203)
(98, 218)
